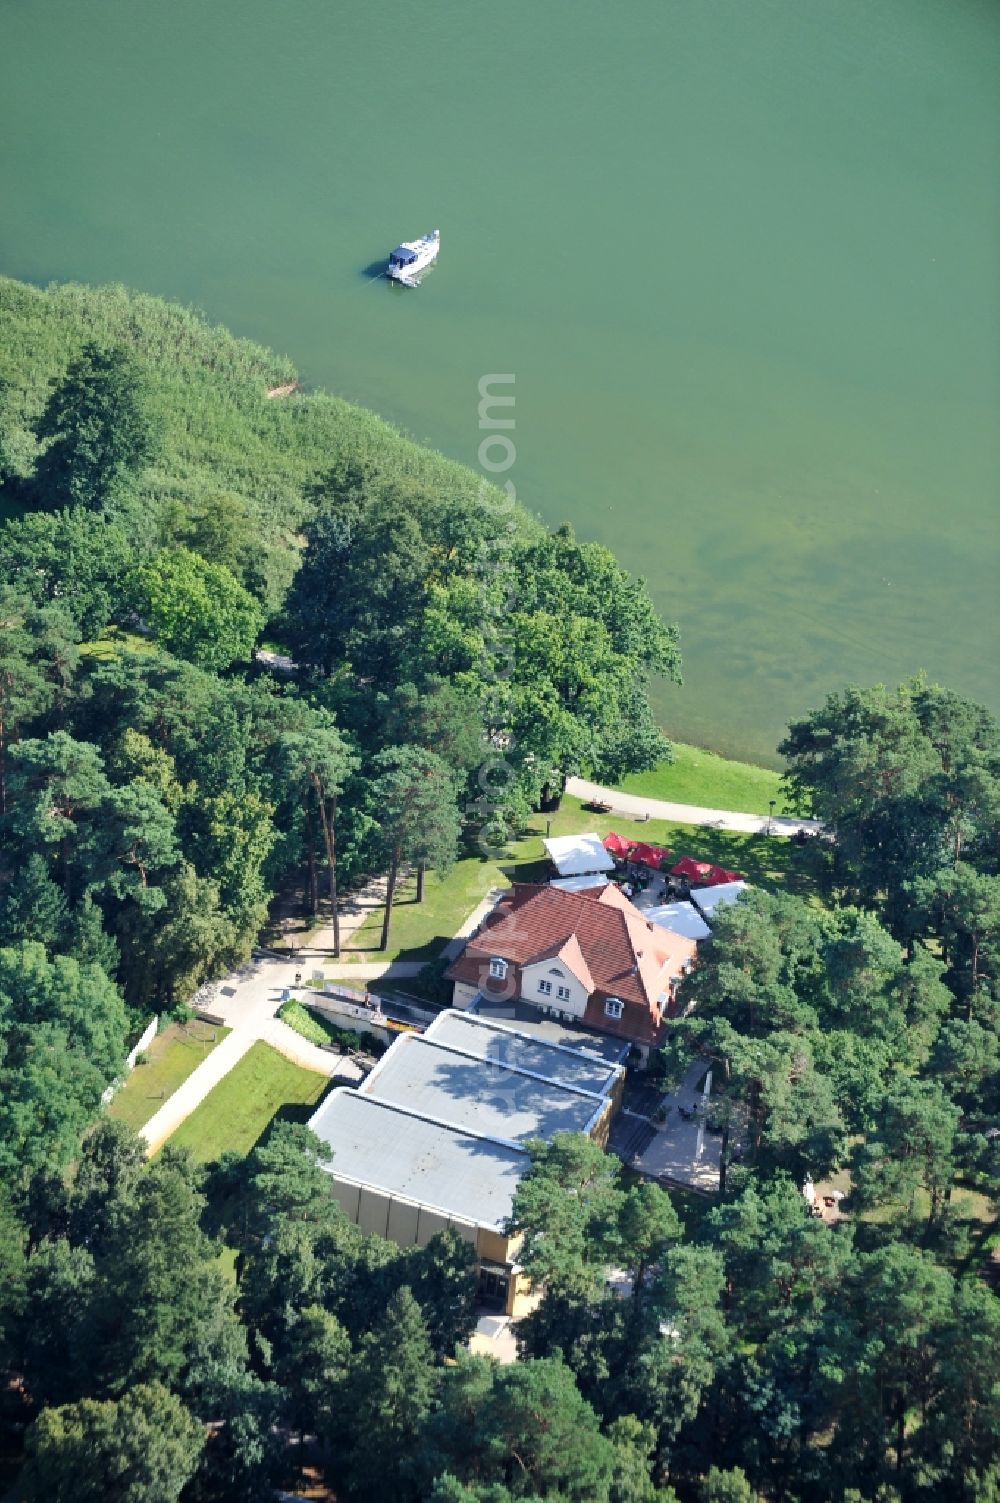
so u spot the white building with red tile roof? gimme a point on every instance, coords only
(586, 957)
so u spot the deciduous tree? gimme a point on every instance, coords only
(62, 1031)
(198, 610)
(141, 1449)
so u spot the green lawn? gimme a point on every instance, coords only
(419, 931)
(235, 1114)
(975, 1214)
(171, 1057)
(701, 777)
(113, 643)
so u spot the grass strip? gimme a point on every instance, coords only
(172, 1056)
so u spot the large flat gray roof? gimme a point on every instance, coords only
(470, 1178)
(503, 1045)
(530, 1021)
(483, 1096)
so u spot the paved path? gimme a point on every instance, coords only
(689, 814)
(354, 909)
(370, 970)
(472, 923)
(191, 1092)
(246, 1002)
(681, 1151)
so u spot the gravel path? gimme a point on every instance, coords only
(247, 1002)
(689, 814)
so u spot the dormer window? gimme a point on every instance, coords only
(498, 969)
(614, 1007)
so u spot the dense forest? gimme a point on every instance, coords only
(169, 1331)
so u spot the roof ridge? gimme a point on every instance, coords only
(408, 1111)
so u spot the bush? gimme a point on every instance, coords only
(308, 1025)
(319, 1030)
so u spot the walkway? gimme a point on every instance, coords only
(370, 970)
(454, 947)
(689, 814)
(354, 908)
(682, 1151)
(246, 1002)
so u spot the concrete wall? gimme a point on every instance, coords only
(353, 1019)
(373, 1212)
(602, 1127)
(492, 1247)
(523, 1297)
(412, 1225)
(404, 1223)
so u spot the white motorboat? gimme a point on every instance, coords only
(411, 258)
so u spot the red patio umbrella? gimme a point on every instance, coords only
(617, 845)
(719, 875)
(649, 855)
(694, 871)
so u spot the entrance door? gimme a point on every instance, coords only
(493, 1286)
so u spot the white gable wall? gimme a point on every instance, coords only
(558, 973)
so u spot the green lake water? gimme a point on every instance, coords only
(741, 256)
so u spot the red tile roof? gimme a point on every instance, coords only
(599, 935)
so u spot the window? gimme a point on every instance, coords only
(545, 987)
(562, 992)
(498, 969)
(554, 971)
(614, 1007)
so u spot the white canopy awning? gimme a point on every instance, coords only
(578, 855)
(679, 918)
(707, 899)
(579, 884)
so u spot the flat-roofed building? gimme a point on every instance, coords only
(527, 1019)
(681, 917)
(507, 1044)
(578, 855)
(708, 899)
(403, 1177)
(481, 1095)
(435, 1137)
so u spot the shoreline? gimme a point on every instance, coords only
(700, 776)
